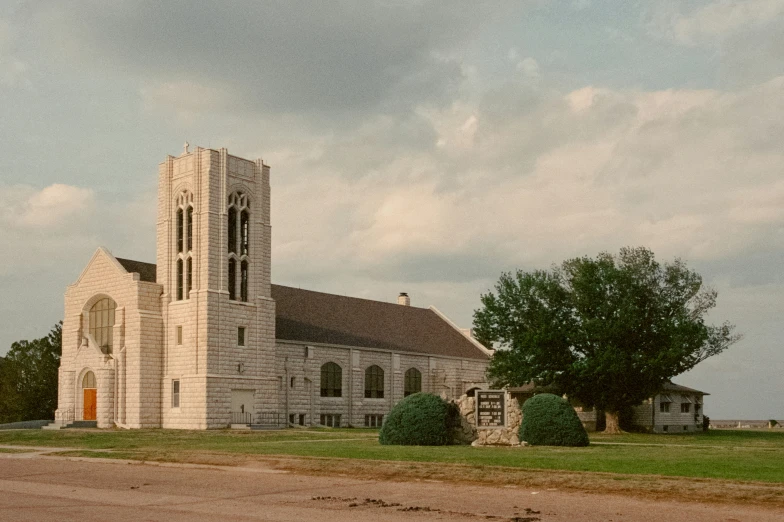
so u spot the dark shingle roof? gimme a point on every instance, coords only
(671, 386)
(146, 271)
(316, 317)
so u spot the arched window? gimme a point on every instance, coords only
(184, 282)
(88, 381)
(331, 380)
(413, 382)
(101, 322)
(374, 383)
(238, 245)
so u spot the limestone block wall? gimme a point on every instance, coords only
(302, 395)
(137, 302)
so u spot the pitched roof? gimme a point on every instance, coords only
(671, 386)
(316, 317)
(146, 271)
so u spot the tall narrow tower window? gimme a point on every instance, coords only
(180, 227)
(179, 279)
(232, 279)
(245, 233)
(184, 277)
(238, 212)
(244, 281)
(232, 230)
(189, 284)
(190, 228)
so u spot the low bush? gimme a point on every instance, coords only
(549, 420)
(421, 419)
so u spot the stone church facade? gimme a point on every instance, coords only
(202, 339)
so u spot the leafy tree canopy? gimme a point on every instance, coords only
(28, 378)
(608, 331)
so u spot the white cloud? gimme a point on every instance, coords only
(715, 21)
(529, 67)
(51, 207)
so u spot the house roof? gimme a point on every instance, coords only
(316, 317)
(146, 271)
(549, 388)
(672, 387)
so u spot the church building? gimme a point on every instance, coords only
(202, 339)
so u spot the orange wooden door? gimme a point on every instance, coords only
(90, 401)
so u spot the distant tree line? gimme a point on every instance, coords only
(28, 378)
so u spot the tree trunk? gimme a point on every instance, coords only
(612, 426)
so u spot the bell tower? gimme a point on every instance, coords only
(213, 261)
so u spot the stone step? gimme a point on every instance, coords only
(52, 426)
(83, 424)
(264, 427)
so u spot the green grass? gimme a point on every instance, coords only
(726, 454)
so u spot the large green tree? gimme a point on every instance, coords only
(608, 331)
(28, 378)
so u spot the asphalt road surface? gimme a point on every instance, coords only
(36, 487)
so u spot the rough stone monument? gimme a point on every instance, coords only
(495, 422)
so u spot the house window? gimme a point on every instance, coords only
(330, 419)
(101, 317)
(238, 244)
(664, 407)
(176, 393)
(665, 428)
(240, 336)
(685, 407)
(413, 382)
(685, 428)
(331, 380)
(301, 419)
(292, 382)
(374, 383)
(374, 421)
(179, 335)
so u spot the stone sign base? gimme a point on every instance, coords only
(468, 434)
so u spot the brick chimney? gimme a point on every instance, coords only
(403, 299)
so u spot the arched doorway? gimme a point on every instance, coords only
(90, 397)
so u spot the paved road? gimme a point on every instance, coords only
(37, 487)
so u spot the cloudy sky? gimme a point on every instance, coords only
(418, 146)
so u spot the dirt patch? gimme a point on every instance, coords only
(653, 487)
(352, 502)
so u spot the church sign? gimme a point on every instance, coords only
(490, 409)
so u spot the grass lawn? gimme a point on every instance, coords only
(725, 454)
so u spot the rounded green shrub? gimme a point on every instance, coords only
(549, 420)
(421, 419)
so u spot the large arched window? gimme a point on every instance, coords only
(184, 245)
(413, 382)
(374, 382)
(331, 380)
(238, 245)
(101, 321)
